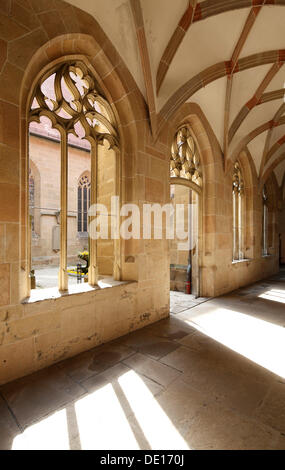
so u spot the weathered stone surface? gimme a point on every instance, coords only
(20, 56)
(187, 370)
(8, 427)
(39, 395)
(202, 394)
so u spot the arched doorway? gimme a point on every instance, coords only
(185, 194)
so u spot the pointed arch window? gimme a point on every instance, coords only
(238, 213)
(70, 97)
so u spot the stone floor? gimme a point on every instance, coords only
(210, 377)
(179, 302)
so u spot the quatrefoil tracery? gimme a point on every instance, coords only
(84, 182)
(69, 96)
(184, 160)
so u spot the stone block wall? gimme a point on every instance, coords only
(36, 334)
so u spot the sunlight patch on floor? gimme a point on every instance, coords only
(154, 422)
(258, 340)
(49, 434)
(275, 295)
(102, 420)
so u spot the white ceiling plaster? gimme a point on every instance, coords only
(256, 147)
(161, 18)
(206, 43)
(245, 84)
(211, 100)
(277, 133)
(268, 31)
(257, 116)
(279, 172)
(116, 19)
(278, 81)
(274, 158)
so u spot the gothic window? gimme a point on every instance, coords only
(184, 160)
(238, 203)
(83, 203)
(70, 97)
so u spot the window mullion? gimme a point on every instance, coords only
(240, 226)
(79, 208)
(265, 246)
(63, 276)
(116, 220)
(234, 225)
(93, 268)
(236, 247)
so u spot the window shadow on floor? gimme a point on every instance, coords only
(179, 383)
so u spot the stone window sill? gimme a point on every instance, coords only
(244, 260)
(38, 295)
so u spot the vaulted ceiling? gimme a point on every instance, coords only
(225, 55)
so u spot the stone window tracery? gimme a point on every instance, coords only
(70, 97)
(185, 160)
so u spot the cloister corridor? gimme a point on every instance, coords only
(209, 377)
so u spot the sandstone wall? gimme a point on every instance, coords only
(38, 333)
